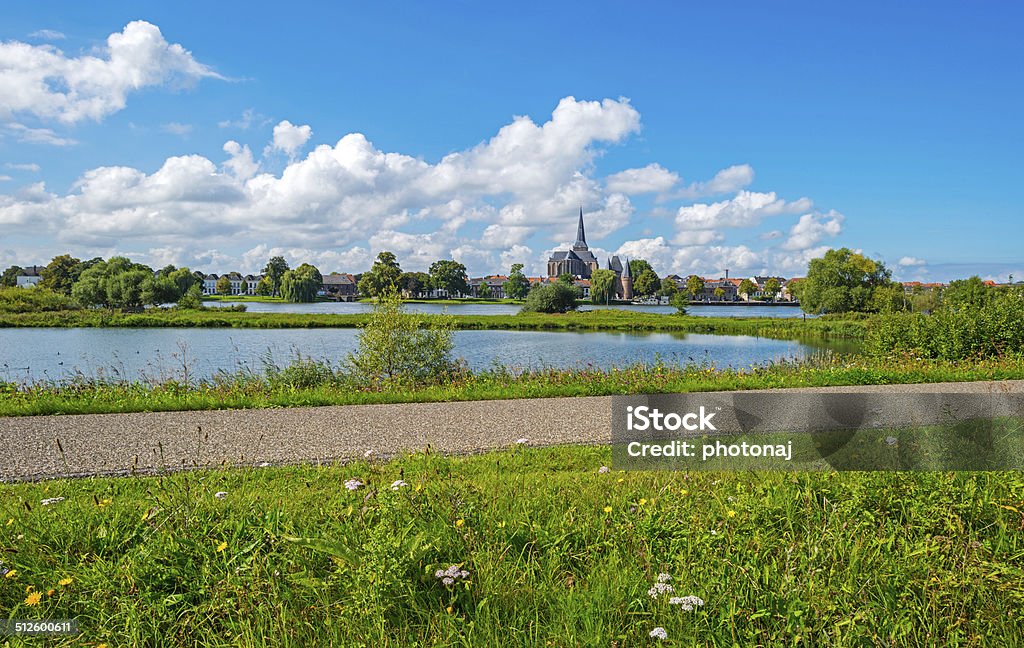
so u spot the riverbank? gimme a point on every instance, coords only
(554, 552)
(314, 384)
(596, 320)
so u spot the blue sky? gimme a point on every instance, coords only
(891, 129)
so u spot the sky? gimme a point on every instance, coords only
(746, 136)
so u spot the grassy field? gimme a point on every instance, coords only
(599, 320)
(547, 550)
(300, 386)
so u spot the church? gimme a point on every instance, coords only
(580, 262)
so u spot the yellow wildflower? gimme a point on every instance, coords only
(607, 509)
(222, 546)
(33, 598)
(50, 591)
(642, 501)
(64, 582)
(10, 522)
(459, 523)
(11, 574)
(731, 513)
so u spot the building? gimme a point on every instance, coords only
(28, 277)
(240, 285)
(579, 261)
(495, 286)
(338, 286)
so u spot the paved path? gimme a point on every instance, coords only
(147, 442)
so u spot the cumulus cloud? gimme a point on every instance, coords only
(649, 179)
(909, 261)
(812, 228)
(726, 181)
(241, 163)
(41, 81)
(248, 119)
(746, 209)
(289, 138)
(46, 136)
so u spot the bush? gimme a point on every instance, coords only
(553, 298)
(400, 348)
(34, 300)
(993, 330)
(680, 300)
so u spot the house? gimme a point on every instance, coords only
(30, 276)
(495, 284)
(240, 285)
(339, 286)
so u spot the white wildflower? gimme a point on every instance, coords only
(523, 441)
(664, 578)
(448, 580)
(368, 454)
(890, 440)
(659, 589)
(51, 500)
(659, 634)
(604, 470)
(450, 575)
(398, 483)
(220, 494)
(353, 484)
(687, 603)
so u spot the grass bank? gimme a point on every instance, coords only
(544, 550)
(312, 384)
(598, 320)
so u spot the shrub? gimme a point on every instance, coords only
(400, 348)
(34, 300)
(553, 298)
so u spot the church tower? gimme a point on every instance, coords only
(627, 281)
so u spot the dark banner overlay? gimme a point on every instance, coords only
(761, 430)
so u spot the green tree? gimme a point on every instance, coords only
(484, 291)
(970, 293)
(646, 283)
(224, 285)
(772, 288)
(552, 298)
(602, 286)
(10, 276)
(747, 288)
(396, 348)
(414, 283)
(450, 276)
(274, 270)
(383, 277)
(842, 281)
(301, 284)
(680, 301)
(890, 298)
(160, 290)
(192, 299)
(517, 285)
(719, 293)
(668, 288)
(265, 287)
(115, 283)
(61, 273)
(694, 286)
(638, 266)
(566, 278)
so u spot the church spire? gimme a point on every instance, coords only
(581, 236)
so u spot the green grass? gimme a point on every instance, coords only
(557, 554)
(599, 320)
(244, 298)
(299, 388)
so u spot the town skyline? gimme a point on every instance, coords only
(198, 151)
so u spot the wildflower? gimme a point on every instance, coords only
(660, 588)
(642, 501)
(731, 513)
(459, 523)
(105, 503)
(450, 575)
(664, 578)
(522, 441)
(607, 509)
(222, 546)
(11, 574)
(50, 591)
(684, 492)
(621, 479)
(51, 500)
(890, 440)
(10, 522)
(353, 484)
(687, 603)
(368, 454)
(398, 483)
(603, 470)
(220, 494)
(659, 634)
(33, 598)
(64, 582)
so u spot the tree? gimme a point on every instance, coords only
(61, 273)
(484, 291)
(646, 283)
(890, 298)
(968, 293)
(517, 285)
(224, 285)
(747, 288)
(450, 276)
(638, 266)
(566, 278)
(115, 283)
(10, 276)
(680, 301)
(265, 287)
(414, 283)
(274, 270)
(668, 288)
(694, 286)
(772, 288)
(719, 293)
(301, 284)
(160, 290)
(552, 298)
(602, 286)
(842, 281)
(400, 348)
(193, 299)
(383, 277)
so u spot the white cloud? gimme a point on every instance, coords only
(746, 209)
(241, 163)
(649, 179)
(40, 80)
(176, 128)
(909, 261)
(47, 34)
(31, 167)
(290, 138)
(726, 181)
(248, 119)
(812, 228)
(4, 178)
(37, 135)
